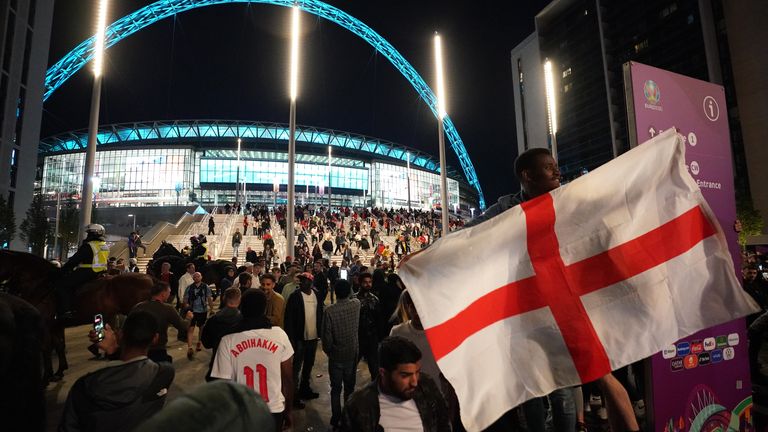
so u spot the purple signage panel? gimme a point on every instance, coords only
(700, 383)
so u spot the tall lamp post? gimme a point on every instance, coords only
(408, 173)
(329, 177)
(93, 123)
(134, 221)
(294, 89)
(275, 189)
(441, 111)
(549, 83)
(237, 180)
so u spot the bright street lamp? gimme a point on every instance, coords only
(294, 90)
(549, 83)
(134, 221)
(237, 184)
(93, 123)
(472, 211)
(441, 112)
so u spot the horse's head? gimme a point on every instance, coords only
(166, 249)
(25, 274)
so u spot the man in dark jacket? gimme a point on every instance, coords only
(223, 323)
(304, 333)
(409, 399)
(131, 390)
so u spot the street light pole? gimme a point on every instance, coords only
(237, 184)
(408, 173)
(134, 221)
(329, 177)
(441, 110)
(294, 88)
(93, 123)
(549, 83)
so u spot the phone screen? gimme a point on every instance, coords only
(343, 273)
(98, 326)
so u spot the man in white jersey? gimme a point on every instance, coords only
(259, 356)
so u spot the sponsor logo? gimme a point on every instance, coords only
(733, 339)
(709, 344)
(729, 353)
(676, 364)
(690, 361)
(716, 356)
(683, 348)
(669, 352)
(704, 359)
(722, 341)
(697, 346)
(695, 168)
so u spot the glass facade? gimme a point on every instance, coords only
(390, 187)
(155, 177)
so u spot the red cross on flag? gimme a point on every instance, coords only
(597, 274)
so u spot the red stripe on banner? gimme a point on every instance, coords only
(655, 247)
(510, 300)
(559, 286)
(580, 337)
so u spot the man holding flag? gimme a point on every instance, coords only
(575, 282)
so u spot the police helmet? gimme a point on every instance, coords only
(95, 229)
(202, 238)
(193, 240)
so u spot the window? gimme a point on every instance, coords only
(522, 103)
(567, 72)
(14, 166)
(19, 115)
(31, 15)
(27, 52)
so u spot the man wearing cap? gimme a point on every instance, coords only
(303, 320)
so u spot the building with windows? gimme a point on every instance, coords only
(165, 163)
(588, 42)
(25, 30)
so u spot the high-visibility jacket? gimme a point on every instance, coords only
(204, 251)
(100, 256)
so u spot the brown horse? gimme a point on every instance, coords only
(33, 279)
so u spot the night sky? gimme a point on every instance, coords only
(231, 62)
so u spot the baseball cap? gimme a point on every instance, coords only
(307, 275)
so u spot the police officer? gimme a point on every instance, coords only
(89, 262)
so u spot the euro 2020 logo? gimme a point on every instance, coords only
(652, 92)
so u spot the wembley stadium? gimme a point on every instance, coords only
(164, 163)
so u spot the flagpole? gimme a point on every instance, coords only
(93, 123)
(441, 110)
(294, 78)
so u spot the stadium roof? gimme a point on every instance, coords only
(157, 132)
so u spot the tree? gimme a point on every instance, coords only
(35, 228)
(69, 225)
(750, 218)
(7, 223)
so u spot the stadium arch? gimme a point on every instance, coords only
(148, 15)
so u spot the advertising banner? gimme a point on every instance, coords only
(700, 383)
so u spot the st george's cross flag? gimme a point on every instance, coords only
(560, 290)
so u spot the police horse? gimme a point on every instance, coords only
(34, 280)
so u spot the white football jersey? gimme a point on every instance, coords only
(253, 358)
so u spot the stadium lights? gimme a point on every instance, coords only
(101, 24)
(549, 83)
(294, 90)
(441, 106)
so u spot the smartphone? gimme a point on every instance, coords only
(98, 326)
(343, 273)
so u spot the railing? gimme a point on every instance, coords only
(219, 240)
(120, 249)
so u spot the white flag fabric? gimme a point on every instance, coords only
(597, 274)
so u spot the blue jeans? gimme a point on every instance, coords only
(563, 412)
(342, 373)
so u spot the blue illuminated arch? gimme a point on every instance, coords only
(130, 24)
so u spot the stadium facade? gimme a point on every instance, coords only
(173, 162)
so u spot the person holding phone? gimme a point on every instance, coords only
(131, 389)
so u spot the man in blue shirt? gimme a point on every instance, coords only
(199, 298)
